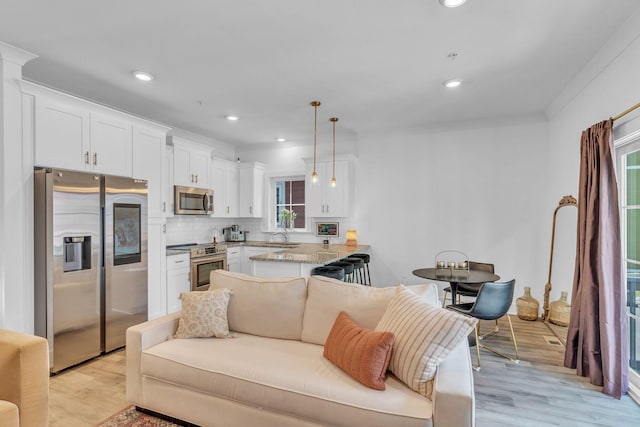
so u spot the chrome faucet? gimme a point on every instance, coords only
(284, 235)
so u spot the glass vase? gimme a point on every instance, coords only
(527, 306)
(560, 311)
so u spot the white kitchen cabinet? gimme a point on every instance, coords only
(224, 182)
(250, 251)
(62, 132)
(190, 164)
(251, 189)
(156, 268)
(178, 280)
(234, 258)
(323, 200)
(110, 148)
(149, 163)
(168, 181)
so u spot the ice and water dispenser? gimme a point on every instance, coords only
(77, 253)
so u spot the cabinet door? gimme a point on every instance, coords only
(61, 135)
(148, 160)
(178, 281)
(157, 264)
(167, 181)
(336, 198)
(234, 259)
(111, 148)
(218, 175)
(251, 182)
(199, 165)
(181, 170)
(231, 190)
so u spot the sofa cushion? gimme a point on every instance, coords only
(425, 334)
(270, 307)
(362, 353)
(364, 304)
(204, 314)
(285, 376)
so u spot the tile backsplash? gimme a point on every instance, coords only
(199, 229)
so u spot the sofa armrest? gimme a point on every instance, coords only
(453, 395)
(24, 373)
(139, 338)
(9, 414)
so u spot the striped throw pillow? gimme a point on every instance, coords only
(425, 334)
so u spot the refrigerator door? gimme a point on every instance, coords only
(68, 247)
(125, 262)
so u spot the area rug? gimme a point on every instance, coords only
(129, 417)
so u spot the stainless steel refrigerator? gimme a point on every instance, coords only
(90, 241)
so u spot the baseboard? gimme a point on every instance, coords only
(634, 393)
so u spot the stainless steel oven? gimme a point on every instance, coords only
(205, 258)
(202, 267)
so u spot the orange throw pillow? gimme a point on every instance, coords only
(362, 353)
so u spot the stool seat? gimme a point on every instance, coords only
(348, 269)
(364, 257)
(329, 271)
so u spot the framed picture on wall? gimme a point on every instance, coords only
(327, 229)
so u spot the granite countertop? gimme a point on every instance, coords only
(311, 253)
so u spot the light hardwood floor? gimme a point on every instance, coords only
(538, 391)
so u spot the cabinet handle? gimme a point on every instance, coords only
(86, 158)
(227, 209)
(196, 178)
(192, 178)
(95, 159)
(327, 208)
(250, 209)
(180, 261)
(164, 228)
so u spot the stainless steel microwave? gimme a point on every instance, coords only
(192, 201)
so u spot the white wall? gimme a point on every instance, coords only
(478, 190)
(607, 86)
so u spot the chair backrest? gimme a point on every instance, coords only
(494, 300)
(481, 266)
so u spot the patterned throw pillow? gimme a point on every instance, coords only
(204, 314)
(425, 334)
(362, 353)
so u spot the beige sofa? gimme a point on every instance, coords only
(272, 371)
(24, 380)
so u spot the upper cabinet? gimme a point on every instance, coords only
(76, 134)
(191, 163)
(149, 159)
(110, 148)
(324, 200)
(224, 182)
(251, 186)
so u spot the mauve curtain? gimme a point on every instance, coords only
(597, 339)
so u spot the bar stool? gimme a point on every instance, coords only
(329, 271)
(365, 258)
(348, 269)
(358, 268)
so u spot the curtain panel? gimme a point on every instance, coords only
(597, 338)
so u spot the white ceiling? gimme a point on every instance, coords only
(375, 64)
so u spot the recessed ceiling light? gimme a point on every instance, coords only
(452, 83)
(281, 139)
(452, 3)
(143, 76)
(232, 118)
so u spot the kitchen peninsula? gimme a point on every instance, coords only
(299, 260)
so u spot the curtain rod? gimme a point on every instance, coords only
(625, 112)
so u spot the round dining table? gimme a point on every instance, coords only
(454, 277)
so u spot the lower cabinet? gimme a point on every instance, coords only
(234, 259)
(178, 280)
(250, 251)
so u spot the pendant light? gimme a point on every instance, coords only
(315, 105)
(333, 120)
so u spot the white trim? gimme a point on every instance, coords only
(626, 140)
(634, 386)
